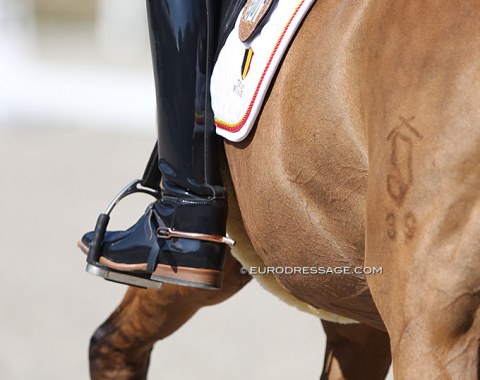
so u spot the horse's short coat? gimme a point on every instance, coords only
(367, 152)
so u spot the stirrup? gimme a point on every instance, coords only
(122, 278)
(94, 251)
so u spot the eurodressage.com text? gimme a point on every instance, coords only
(313, 270)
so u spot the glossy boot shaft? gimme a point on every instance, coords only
(183, 42)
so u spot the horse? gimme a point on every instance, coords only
(366, 154)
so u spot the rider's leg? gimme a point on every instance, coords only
(192, 198)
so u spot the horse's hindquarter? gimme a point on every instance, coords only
(424, 149)
(301, 178)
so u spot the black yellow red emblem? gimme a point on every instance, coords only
(247, 61)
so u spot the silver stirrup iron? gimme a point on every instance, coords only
(100, 270)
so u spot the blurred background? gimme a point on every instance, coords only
(77, 122)
(75, 64)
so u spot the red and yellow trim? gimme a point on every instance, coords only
(235, 127)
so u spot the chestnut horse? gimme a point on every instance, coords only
(366, 153)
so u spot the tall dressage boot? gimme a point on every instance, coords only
(181, 237)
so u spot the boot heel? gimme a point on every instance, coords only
(195, 277)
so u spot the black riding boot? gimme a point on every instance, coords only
(180, 238)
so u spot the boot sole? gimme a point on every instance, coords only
(199, 278)
(185, 276)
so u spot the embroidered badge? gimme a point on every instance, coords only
(247, 60)
(253, 13)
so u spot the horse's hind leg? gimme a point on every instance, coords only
(120, 348)
(355, 351)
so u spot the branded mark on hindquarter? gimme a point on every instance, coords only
(400, 178)
(391, 225)
(396, 227)
(409, 225)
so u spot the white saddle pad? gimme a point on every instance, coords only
(243, 71)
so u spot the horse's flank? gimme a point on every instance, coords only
(301, 178)
(363, 94)
(244, 252)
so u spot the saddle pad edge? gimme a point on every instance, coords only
(238, 131)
